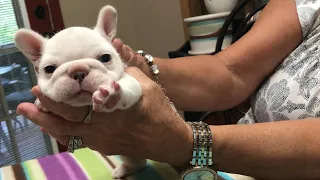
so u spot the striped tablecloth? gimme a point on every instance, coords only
(85, 164)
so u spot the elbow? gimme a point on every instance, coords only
(232, 92)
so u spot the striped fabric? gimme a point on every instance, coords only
(85, 164)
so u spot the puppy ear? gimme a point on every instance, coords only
(107, 22)
(30, 43)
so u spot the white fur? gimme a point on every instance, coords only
(77, 49)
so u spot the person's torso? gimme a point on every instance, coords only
(292, 92)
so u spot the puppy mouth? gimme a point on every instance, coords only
(81, 93)
(79, 98)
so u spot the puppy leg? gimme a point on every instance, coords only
(130, 90)
(128, 167)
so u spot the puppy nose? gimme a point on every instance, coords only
(78, 72)
(79, 76)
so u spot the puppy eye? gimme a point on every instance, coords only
(105, 58)
(50, 69)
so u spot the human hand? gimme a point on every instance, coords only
(150, 129)
(127, 54)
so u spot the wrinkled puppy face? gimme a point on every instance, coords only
(73, 63)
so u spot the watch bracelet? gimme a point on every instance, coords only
(202, 146)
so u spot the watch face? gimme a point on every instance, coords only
(200, 174)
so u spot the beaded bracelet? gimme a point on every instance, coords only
(153, 67)
(155, 71)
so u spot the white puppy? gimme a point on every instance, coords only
(79, 66)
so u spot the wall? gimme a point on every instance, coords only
(155, 26)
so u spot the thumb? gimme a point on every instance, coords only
(118, 44)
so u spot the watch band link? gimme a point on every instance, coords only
(202, 145)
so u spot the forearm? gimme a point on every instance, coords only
(280, 150)
(198, 83)
(221, 81)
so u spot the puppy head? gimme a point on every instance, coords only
(74, 62)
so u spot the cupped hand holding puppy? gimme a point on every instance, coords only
(143, 131)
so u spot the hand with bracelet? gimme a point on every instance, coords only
(152, 129)
(127, 130)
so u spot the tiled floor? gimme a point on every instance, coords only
(30, 142)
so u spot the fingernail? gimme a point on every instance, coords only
(20, 112)
(35, 91)
(117, 39)
(43, 130)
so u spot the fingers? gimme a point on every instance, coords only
(117, 43)
(64, 110)
(63, 139)
(150, 89)
(49, 121)
(125, 52)
(120, 47)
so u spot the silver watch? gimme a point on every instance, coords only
(202, 163)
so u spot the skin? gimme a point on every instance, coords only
(277, 150)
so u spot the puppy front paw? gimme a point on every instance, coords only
(106, 98)
(39, 105)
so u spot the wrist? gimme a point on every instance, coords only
(180, 154)
(187, 144)
(174, 151)
(145, 67)
(219, 144)
(141, 64)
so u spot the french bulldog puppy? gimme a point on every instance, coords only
(78, 66)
